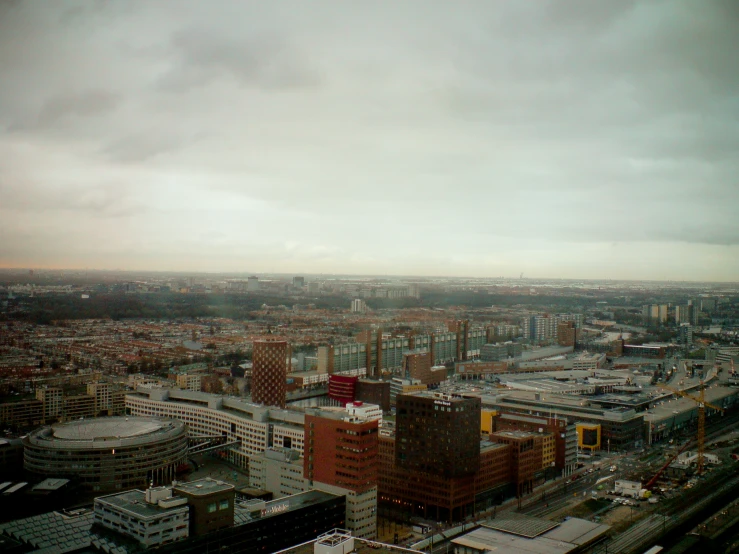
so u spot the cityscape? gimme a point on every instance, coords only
(327, 277)
(192, 412)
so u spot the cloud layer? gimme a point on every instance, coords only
(562, 139)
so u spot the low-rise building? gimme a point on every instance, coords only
(153, 517)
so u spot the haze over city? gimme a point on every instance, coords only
(564, 140)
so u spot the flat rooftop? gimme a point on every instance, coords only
(544, 352)
(203, 487)
(514, 434)
(108, 427)
(515, 534)
(134, 501)
(50, 484)
(486, 445)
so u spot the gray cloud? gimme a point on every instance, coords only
(268, 62)
(63, 107)
(380, 137)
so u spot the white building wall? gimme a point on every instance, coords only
(207, 421)
(167, 527)
(361, 509)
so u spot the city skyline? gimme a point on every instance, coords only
(572, 140)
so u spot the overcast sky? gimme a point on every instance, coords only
(560, 139)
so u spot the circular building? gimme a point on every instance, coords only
(108, 453)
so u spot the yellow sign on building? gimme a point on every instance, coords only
(588, 436)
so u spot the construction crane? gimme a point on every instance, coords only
(701, 401)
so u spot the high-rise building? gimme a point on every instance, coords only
(438, 433)
(685, 335)
(544, 327)
(252, 284)
(686, 314)
(298, 282)
(566, 333)
(655, 313)
(358, 306)
(341, 457)
(417, 365)
(341, 450)
(269, 372)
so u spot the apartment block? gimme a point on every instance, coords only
(51, 398)
(77, 407)
(189, 381)
(27, 413)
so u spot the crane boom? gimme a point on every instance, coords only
(696, 399)
(657, 475)
(701, 401)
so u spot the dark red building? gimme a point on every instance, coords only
(342, 388)
(438, 433)
(374, 392)
(341, 451)
(269, 372)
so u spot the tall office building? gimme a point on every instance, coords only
(298, 282)
(269, 372)
(252, 284)
(341, 457)
(341, 450)
(438, 434)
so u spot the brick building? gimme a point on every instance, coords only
(417, 365)
(269, 372)
(563, 434)
(438, 433)
(341, 450)
(433, 496)
(566, 333)
(341, 457)
(373, 392)
(526, 457)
